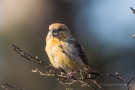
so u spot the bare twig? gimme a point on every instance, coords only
(62, 78)
(133, 36)
(117, 76)
(134, 13)
(5, 84)
(132, 10)
(29, 57)
(40, 62)
(131, 80)
(51, 73)
(72, 79)
(34, 59)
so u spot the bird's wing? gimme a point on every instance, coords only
(75, 51)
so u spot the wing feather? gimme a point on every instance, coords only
(75, 50)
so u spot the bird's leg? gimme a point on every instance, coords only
(70, 74)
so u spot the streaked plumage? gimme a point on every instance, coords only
(59, 35)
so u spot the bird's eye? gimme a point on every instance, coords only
(60, 29)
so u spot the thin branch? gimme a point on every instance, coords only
(40, 62)
(133, 35)
(34, 59)
(29, 57)
(117, 76)
(5, 84)
(131, 80)
(51, 73)
(72, 79)
(61, 77)
(132, 10)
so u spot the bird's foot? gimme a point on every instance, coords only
(69, 75)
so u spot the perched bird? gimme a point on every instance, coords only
(65, 52)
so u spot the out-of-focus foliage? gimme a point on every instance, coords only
(104, 28)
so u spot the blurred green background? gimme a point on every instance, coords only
(104, 28)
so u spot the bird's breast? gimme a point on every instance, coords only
(59, 59)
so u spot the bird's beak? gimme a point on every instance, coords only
(54, 33)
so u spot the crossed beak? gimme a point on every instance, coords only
(55, 33)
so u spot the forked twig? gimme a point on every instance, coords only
(40, 62)
(62, 78)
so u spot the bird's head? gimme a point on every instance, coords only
(59, 31)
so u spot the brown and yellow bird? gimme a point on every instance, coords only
(65, 52)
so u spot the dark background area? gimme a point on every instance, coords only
(104, 28)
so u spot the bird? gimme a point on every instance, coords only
(65, 52)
